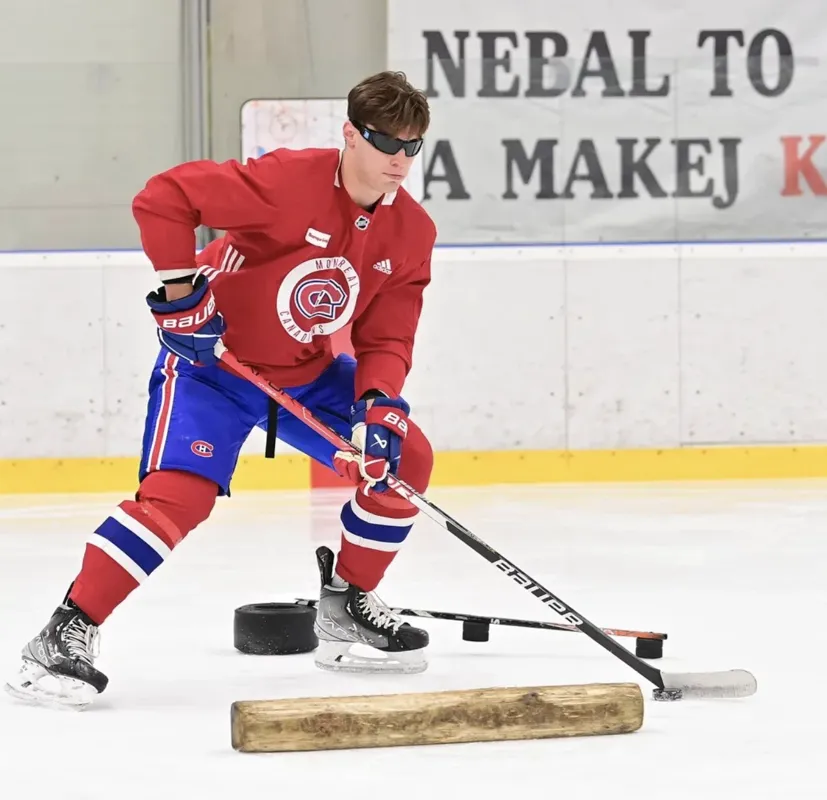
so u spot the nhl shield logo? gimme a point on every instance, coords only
(362, 222)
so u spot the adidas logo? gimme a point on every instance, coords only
(383, 266)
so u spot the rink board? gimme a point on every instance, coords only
(458, 468)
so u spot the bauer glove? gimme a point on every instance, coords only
(380, 425)
(189, 327)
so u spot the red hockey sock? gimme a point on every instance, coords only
(371, 537)
(131, 543)
(374, 526)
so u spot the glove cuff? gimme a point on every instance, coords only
(158, 302)
(372, 394)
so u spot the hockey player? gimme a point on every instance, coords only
(315, 239)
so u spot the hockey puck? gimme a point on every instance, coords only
(667, 695)
(274, 629)
(649, 648)
(475, 631)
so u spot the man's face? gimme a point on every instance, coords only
(381, 172)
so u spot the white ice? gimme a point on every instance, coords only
(734, 573)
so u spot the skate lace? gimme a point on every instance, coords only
(82, 640)
(378, 612)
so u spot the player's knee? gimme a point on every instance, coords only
(417, 461)
(184, 499)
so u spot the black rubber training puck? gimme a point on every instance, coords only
(649, 648)
(475, 631)
(274, 629)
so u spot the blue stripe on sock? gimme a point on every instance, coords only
(133, 546)
(395, 534)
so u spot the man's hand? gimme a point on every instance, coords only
(380, 425)
(189, 324)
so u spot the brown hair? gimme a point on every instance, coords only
(388, 103)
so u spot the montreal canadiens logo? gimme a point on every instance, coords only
(320, 298)
(317, 297)
(202, 448)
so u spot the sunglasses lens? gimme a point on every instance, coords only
(412, 148)
(385, 144)
(390, 145)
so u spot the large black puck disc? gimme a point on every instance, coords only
(649, 648)
(274, 629)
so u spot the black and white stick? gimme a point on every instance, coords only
(668, 685)
(506, 621)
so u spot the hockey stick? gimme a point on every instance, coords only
(507, 622)
(669, 686)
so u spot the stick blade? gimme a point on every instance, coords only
(732, 683)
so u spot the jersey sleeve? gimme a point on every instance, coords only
(383, 336)
(228, 196)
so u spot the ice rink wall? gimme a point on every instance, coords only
(533, 363)
(630, 277)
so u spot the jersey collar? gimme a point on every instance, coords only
(387, 198)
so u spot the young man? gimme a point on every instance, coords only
(315, 239)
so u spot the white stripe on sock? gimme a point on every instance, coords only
(376, 519)
(143, 533)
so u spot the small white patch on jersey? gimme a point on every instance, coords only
(317, 237)
(383, 266)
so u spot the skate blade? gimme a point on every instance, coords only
(354, 657)
(35, 685)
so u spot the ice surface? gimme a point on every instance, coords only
(734, 573)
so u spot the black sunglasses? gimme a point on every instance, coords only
(389, 145)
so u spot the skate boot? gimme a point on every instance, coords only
(359, 633)
(57, 666)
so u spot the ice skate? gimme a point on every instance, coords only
(359, 633)
(57, 666)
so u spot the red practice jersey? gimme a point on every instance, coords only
(298, 262)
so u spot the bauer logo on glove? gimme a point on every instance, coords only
(393, 420)
(190, 322)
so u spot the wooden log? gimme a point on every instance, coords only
(475, 715)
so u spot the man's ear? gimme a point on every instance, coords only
(350, 133)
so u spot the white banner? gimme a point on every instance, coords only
(648, 120)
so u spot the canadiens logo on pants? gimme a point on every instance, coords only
(202, 448)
